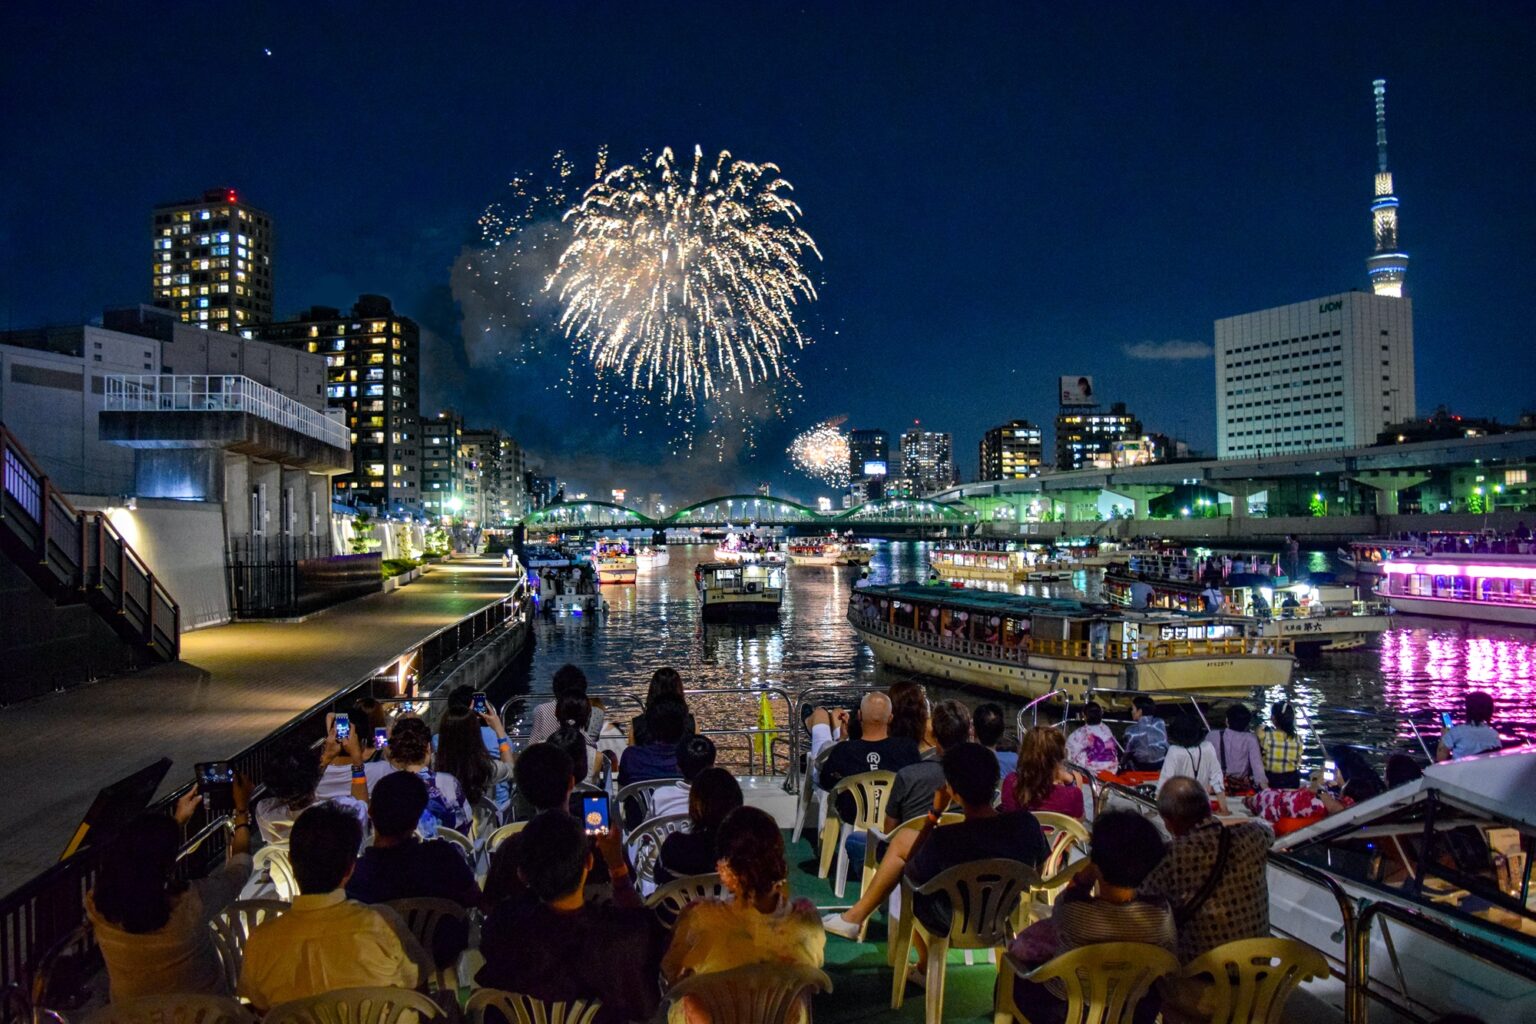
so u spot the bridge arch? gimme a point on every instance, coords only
(755, 508)
(908, 510)
(589, 514)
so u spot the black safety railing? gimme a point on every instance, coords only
(49, 907)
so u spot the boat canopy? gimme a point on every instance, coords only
(995, 602)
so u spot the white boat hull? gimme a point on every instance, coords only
(619, 571)
(652, 559)
(821, 559)
(1038, 674)
(1476, 611)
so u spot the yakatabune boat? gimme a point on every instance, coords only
(1030, 646)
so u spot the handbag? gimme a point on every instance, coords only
(1231, 783)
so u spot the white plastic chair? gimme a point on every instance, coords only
(233, 925)
(356, 1006)
(273, 860)
(424, 916)
(869, 791)
(668, 901)
(517, 1008)
(644, 844)
(176, 1009)
(754, 994)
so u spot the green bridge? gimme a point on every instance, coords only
(900, 514)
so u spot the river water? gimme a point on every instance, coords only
(1421, 667)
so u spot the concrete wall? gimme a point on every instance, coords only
(182, 542)
(297, 374)
(47, 646)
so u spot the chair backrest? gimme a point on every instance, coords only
(465, 844)
(176, 1009)
(485, 816)
(233, 925)
(645, 843)
(516, 1008)
(869, 790)
(637, 801)
(279, 830)
(1253, 978)
(502, 834)
(1106, 980)
(356, 1006)
(425, 915)
(1062, 832)
(273, 859)
(983, 896)
(668, 901)
(754, 994)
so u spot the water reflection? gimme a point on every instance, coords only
(1422, 666)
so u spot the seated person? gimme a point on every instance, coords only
(367, 716)
(325, 941)
(573, 743)
(971, 777)
(399, 865)
(1043, 782)
(410, 750)
(151, 926)
(694, 754)
(666, 684)
(569, 681)
(1091, 744)
(989, 725)
(292, 781)
(1146, 738)
(1238, 750)
(912, 793)
(875, 749)
(1475, 735)
(1238, 905)
(658, 758)
(1312, 801)
(715, 794)
(546, 781)
(1190, 755)
(759, 924)
(1100, 905)
(556, 946)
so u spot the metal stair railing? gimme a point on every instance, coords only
(79, 555)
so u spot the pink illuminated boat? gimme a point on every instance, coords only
(1488, 588)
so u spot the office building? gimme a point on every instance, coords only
(1325, 373)
(443, 468)
(212, 261)
(373, 374)
(868, 463)
(1085, 434)
(493, 489)
(1012, 451)
(927, 459)
(1387, 264)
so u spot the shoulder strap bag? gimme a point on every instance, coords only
(1186, 913)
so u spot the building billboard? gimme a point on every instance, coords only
(1078, 391)
(874, 469)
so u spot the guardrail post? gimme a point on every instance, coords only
(149, 621)
(42, 550)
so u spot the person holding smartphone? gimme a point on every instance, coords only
(1475, 736)
(152, 927)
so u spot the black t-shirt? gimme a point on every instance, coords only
(640, 729)
(598, 952)
(853, 757)
(684, 854)
(416, 869)
(1012, 836)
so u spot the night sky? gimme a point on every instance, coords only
(1002, 192)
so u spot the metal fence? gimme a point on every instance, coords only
(164, 392)
(288, 576)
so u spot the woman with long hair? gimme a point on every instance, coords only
(1281, 746)
(909, 713)
(292, 780)
(1043, 782)
(666, 684)
(410, 750)
(711, 799)
(568, 681)
(152, 928)
(461, 752)
(759, 924)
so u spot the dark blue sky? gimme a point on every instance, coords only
(1002, 192)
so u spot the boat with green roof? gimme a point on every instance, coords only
(1032, 646)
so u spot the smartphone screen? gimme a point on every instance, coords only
(594, 814)
(216, 782)
(380, 737)
(480, 704)
(343, 727)
(1445, 719)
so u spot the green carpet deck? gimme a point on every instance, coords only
(861, 979)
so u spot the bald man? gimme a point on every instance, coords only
(876, 750)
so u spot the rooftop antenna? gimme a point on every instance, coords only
(1379, 86)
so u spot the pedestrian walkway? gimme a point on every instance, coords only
(233, 685)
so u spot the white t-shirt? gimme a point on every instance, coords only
(671, 799)
(1198, 763)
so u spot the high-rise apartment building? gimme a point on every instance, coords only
(1012, 451)
(443, 468)
(212, 261)
(494, 492)
(868, 462)
(1325, 373)
(373, 372)
(1083, 435)
(927, 458)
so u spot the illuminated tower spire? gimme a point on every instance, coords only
(1388, 264)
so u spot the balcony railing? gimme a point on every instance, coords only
(163, 392)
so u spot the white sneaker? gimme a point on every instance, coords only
(839, 925)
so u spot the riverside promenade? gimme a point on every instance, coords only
(234, 685)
